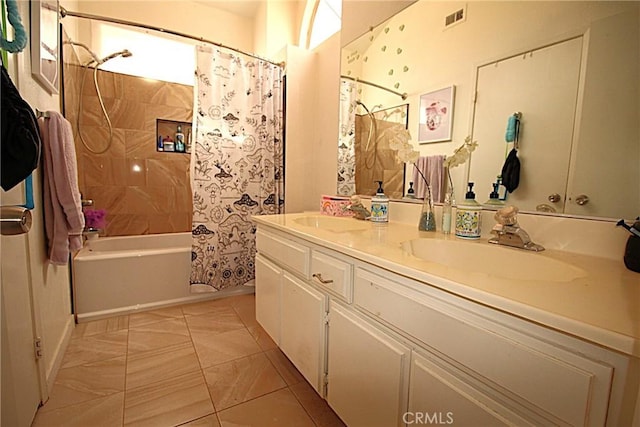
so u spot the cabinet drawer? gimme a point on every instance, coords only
(564, 386)
(286, 252)
(332, 273)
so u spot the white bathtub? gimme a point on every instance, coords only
(120, 275)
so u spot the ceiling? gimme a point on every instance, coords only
(246, 8)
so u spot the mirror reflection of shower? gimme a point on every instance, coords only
(372, 134)
(374, 158)
(367, 125)
(95, 62)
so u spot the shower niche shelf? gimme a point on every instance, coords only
(167, 136)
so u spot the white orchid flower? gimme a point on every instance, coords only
(461, 154)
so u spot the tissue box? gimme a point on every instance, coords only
(335, 206)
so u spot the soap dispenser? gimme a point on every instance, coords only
(380, 205)
(494, 197)
(469, 216)
(411, 193)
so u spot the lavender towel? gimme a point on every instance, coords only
(433, 169)
(63, 218)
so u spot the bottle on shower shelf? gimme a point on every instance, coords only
(179, 145)
(188, 145)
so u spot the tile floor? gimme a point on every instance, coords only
(201, 364)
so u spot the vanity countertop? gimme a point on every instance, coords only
(600, 303)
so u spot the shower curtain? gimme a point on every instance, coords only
(346, 144)
(236, 164)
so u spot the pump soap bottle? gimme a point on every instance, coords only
(469, 216)
(494, 196)
(380, 205)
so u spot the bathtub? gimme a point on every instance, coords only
(121, 275)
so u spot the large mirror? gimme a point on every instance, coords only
(570, 68)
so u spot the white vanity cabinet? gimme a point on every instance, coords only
(275, 254)
(302, 328)
(513, 360)
(367, 371)
(438, 396)
(395, 351)
(270, 276)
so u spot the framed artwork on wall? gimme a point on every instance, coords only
(436, 115)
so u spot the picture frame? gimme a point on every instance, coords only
(45, 44)
(435, 120)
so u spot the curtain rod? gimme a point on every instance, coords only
(357, 80)
(64, 12)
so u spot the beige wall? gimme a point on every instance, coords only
(281, 27)
(200, 19)
(301, 71)
(323, 131)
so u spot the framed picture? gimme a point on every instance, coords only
(436, 115)
(44, 43)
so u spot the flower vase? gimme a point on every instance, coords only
(427, 216)
(446, 212)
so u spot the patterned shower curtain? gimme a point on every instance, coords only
(346, 144)
(236, 164)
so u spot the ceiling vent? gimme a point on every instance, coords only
(455, 18)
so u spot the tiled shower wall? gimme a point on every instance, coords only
(143, 191)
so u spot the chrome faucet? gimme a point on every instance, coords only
(358, 209)
(507, 232)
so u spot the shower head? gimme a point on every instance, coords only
(94, 58)
(124, 53)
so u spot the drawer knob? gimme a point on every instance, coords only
(319, 277)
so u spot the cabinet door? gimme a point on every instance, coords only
(440, 396)
(368, 372)
(268, 289)
(303, 336)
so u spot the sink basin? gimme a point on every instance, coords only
(332, 223)
(507, 263)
